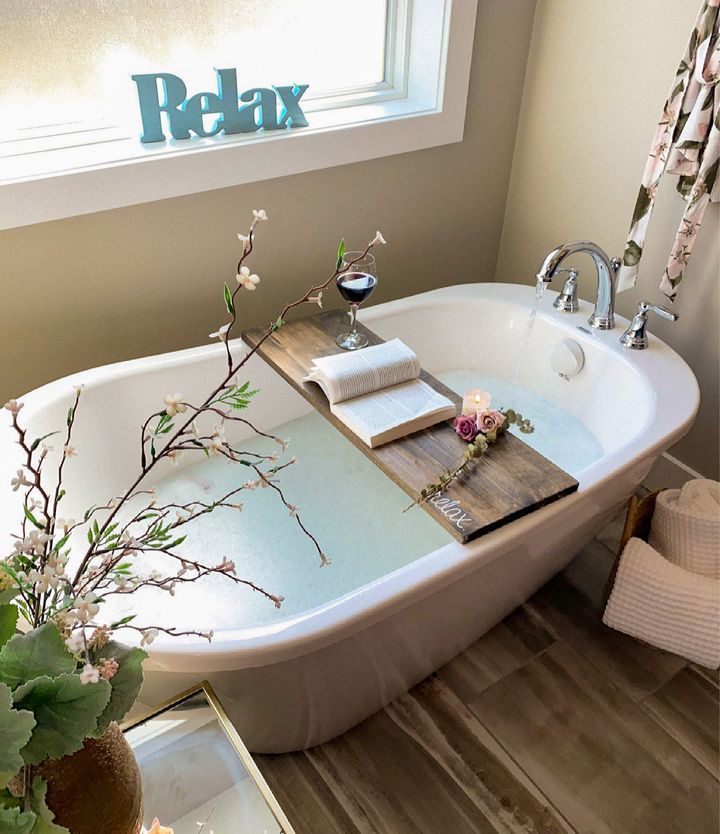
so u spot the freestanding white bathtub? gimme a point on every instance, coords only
(350, 638)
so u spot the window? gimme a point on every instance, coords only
(69, 114)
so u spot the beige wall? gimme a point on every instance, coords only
(145, 279)
(597, 77)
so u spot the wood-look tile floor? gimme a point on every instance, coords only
(551, 722)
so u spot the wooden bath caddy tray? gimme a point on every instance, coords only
(508, 482)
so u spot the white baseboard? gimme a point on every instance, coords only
(669, 473)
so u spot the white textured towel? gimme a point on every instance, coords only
(685, 527)
(665, 605)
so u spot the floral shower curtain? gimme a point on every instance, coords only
(686, 143)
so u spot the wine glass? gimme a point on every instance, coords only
(356, 282)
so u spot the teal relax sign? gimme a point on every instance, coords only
(185, 115)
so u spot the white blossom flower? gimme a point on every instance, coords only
(69, 451)
(250, 485)
(130, 542)
(259, 215)
(86, 607)
(44, 580)
(35, 542)
(79, 388)
(13, 406)
(175, 456)
(245, 279)
(148, 636)
(316, 299)
(293, 510)
(57, 562)
(217, 440)
(174, 404)
(64, 523)
(220, 333)
(245, 241)
(75, 643)
(208, 635)
(226, 566)
(377, 239)
(66, 618)
(20, 481)
(89, 674)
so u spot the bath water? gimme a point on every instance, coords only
(352, 508)
(559, 436)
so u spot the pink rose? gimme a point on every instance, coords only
(490, 421)
(466, 427)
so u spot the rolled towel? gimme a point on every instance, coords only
(664, 605)
(685, 527)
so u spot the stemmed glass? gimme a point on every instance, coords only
(355, 283)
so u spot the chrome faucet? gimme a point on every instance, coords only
(603, 317)
(635, 337)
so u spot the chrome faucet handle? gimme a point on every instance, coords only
(635, 337)
(567, 301)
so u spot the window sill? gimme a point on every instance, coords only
(117, 171)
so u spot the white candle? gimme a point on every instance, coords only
(475, 401)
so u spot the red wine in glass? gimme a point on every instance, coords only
(355, 287)
(355, 284)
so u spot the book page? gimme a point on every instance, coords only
(350, 374)
(379, 411)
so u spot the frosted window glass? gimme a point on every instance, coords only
(71, 60)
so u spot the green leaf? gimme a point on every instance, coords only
(39, 652)
(44, 823)
(16, 728)
(60, 543)
(125, 684)
(31, 518)
(8, 595)
(278, 324)
(227, 295)
(66, 712)
(123, 621)
(70, 415)
(340, 253)
(632, 254)
(8, 621)
(642, 205)
(15, 821)
(39, 440)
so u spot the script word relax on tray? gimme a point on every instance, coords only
(452, 510)
(187, 114)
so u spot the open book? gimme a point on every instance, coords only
(377, 392)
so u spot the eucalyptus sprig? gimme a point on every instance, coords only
(475, 449)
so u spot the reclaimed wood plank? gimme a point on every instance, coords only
(510, 482)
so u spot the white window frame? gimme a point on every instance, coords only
(420, 104)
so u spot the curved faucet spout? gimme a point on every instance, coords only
(603, 317)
